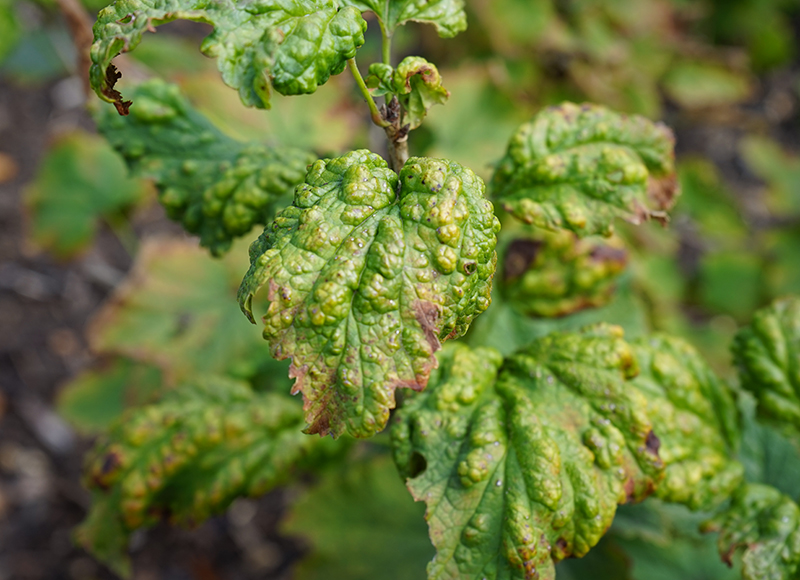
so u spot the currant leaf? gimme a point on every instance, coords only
(215, 186)
(292, 46)
(367, 272)
(578, 167)
(524, 465)
(767, 354)
(447, 16)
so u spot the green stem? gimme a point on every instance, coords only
(373, 108)
(386, 45)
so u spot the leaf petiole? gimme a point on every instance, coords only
(377, 118)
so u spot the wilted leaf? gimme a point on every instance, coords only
(292, 46)
(766, 524)
(767, 355)
(362, 524)
(367, 272)
(215, 186)
(177, 310)
(695, 419)
(96, 398)
(80, 182)
(696, 84)
(525, 467)
(447, 16)
(189, 457)
(578, 167)
(554, 274)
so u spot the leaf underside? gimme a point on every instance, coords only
(216, 187)
(292, 46)
(767, 354)
(367, 272)
(578, 167)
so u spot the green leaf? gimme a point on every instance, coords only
(94, 399)
(362, 524)
(525, 467)
(766, 524)
(695, 419)
(696, 84)
(177, 311)
(367, 272)
(215, 186)
(80, 183)
(9, 28)
(447, 16)
(189, 457)
(417, 84)
(289, 45)
(767, 355)
(778, 168)
(578, 167)
(553, 274)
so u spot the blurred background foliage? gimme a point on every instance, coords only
(725, 74)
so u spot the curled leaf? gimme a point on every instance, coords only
(291, 45)
(367, 272)
(215, 186)
(767, 354)
(578, 167)
(766, 524)
(553, 274)
(524, 465)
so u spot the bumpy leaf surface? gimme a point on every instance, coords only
(447, 16)
(291, 45)
(695, 418)
(416, 83)
(767, 354)
(215, 186)
(555, 273)
(525, 467)
(367, 272)
(766, 524)
(578, 167)
(188, 457)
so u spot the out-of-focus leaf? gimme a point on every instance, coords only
(43, 54)
(367, 272)
(767, 355)
(696, 84)
(766, 524)
(781, 274)
(189, 457)
(778, 168)
(362, 524)
(695, 419)
(80, 182)
(553, 274)
(177, 310)
(720, 272)
(578, 167)
(524, 468)
(292, 46)
(215, 186)
(94, 399)
(606, 561)
(446, 15)
(9, 28)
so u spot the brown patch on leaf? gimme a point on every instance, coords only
(652, 443)
(102, 476)
(519, 257)
(604, 253)
(108, 90)
(427, 314)
(663, 191)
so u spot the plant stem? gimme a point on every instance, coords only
(373, 108)
(386, 45)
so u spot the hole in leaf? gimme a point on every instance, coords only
(417, 465)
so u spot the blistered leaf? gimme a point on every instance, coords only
(289, 45)
(554, 274)
(447, 16)
(80, 183)
(177, 310)
(578, 167)
(217, 187)
(695, 418)
(766, 524)
(367, 272)
(188, 457)
(524, 467)
(767, 354)
(95, 398)
(362, 524)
